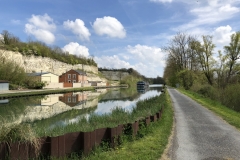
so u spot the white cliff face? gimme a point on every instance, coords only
(45, 64)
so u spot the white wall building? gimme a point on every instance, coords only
(4, 85)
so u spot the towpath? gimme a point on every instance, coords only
(199, 134)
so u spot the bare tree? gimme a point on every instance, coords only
(182, 59)
(180, 50)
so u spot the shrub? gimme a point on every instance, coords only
(230, 96)
(209, 91)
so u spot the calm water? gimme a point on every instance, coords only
(128, 104)
(55, 110)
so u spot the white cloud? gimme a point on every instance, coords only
(150, 55)
(109, 26)
(151, 60)
(76, 49)
(41, 27)
(222, 35)
(43, 22)
(161, 1)
(78, 28)
(112, 62)
(210, 13)
(148, 61)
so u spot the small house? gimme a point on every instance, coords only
(45, 77)
(4, 85)
(52, 80)
(97, 83)
(74, 76)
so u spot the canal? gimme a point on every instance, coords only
(46, 113)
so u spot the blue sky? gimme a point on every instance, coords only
(119, 33)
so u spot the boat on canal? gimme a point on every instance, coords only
(142, 85)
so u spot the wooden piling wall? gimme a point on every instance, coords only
(77, 142)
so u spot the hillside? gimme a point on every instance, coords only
(33, 63)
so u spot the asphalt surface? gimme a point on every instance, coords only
(199, 134)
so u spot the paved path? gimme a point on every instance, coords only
(200, 134)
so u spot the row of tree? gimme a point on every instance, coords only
(191, 60)
(36, 48)
(136, 74)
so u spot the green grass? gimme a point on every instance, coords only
(42, 127)
(118, 116)
(150, 146)
(229, 115)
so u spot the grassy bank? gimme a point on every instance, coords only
(149, 146)
(229, 115)
(118, 116)
(149, 143)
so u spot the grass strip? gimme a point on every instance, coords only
(229, 115)
(118, 116)
(150, 147)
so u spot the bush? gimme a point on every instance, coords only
(11, 71)
(230, 96)
(209, 91)
(34, 84)
(186, 77)
(13, 86)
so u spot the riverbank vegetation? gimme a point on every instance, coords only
(191, 65)
(117, 116)
(149, 143)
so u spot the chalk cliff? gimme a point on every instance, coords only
(45, 64)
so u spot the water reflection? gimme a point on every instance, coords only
(4, 101)
(50, 111)
(77, 100)
(108, 106)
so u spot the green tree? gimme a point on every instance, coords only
(186, 77)
(221, 70)
(8, 38)
(205, 52)
(233, 54)
(11, 72)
